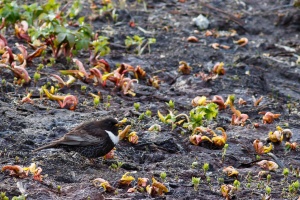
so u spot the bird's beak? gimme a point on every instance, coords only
(120, 123)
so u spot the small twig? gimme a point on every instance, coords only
(230, 16)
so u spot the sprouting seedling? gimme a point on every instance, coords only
(114, 15)
(52, 61)
(148, 113)
(116, 166)
(108, 99)
(3, 196)
(194, 164)
(36, 77)
(142, 116)
(96, 99)
(293, 188)
(208, 179)
(268, 178)
(3, 82)
(196, 182)
(236, 184)
(59, 189)
(268, 190)
(138, 42)
(101, 46)
(205, 168)
(163, 176)
(220, 181)
(224, 151)
(40, 67)
(136, 106)
(171, 104)
(83, 88)
(285, 173)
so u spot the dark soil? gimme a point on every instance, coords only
(264, 67)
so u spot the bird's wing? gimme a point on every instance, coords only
(80, 137)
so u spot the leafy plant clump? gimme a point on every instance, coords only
(197, 114)
(140, 43)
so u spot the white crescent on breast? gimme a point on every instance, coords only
(114, 138)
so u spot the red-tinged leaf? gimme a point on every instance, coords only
(38, 52)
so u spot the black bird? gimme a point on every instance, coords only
(91, 139)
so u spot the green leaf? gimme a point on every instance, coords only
(61, 37)
(82, 44)
(11, 12)
(71, 39)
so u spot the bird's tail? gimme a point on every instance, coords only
(47, 146)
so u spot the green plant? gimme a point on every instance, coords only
(196, 182)
(142, 116)
(40, 67)
(31, 12)
(236, 184)
(83, 88)
(116, 166)
(224, 151)
(136, 106)
(294, 187)
(114, 15)
(257, 157)
(163, 176)
(3, 196)
(140, 42)
(59, 189)
(101, 46)
(208, 179)
(285, 173)
(205, 168)
(107, 104)
(171, 118)
(268, 178)
(106, 9)
(194, 164)
(20, 197)
(220, 181)
(3, 82)
(96, 100)
(171, 104)
(268, 190)
(75, 9)
(51, 26)
(36, 77)
(197, 114)
(11, 12)
(148, 113)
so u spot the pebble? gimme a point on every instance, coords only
(201, 22)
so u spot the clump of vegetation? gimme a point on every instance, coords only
(140, 43)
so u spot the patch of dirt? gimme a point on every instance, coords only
(264, 67)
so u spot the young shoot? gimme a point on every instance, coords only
(196, 182)
(194, 164)
(205, 168)
(163, 176)
(136, 106)
(171, 104)
(268, 190)
(224, 151)
(285, 173)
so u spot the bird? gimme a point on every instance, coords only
(91, 139)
